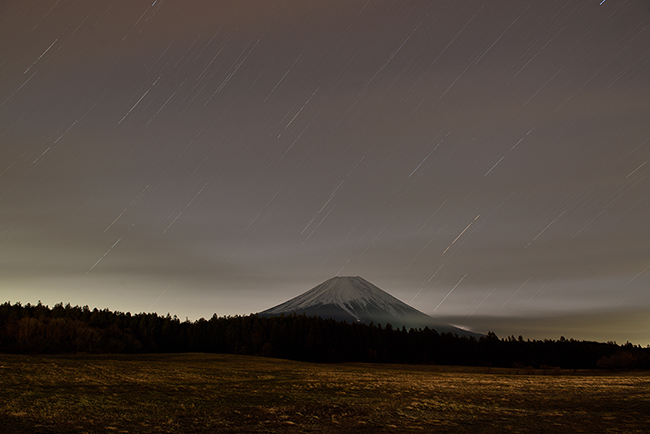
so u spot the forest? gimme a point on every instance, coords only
(39, 329)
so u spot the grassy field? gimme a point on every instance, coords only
(212, 393)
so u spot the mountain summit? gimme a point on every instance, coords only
(354, 299)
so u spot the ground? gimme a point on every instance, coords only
(215, 393)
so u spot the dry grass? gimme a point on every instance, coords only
(196, 393)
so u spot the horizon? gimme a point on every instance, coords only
(485, 163)
(551, 327)
(534, 330)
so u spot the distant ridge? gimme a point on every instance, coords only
(354, 299)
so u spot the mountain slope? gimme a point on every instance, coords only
(354, 299)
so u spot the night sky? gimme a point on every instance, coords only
(484, 161)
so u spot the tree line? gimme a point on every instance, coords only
(73, 329)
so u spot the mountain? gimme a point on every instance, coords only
(354, 299)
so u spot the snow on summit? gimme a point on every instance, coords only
(341, 292)
(354, 299)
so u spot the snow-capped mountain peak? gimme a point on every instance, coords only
(342, 292)
(354, 299)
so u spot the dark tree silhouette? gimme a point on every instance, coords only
(67, 329)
